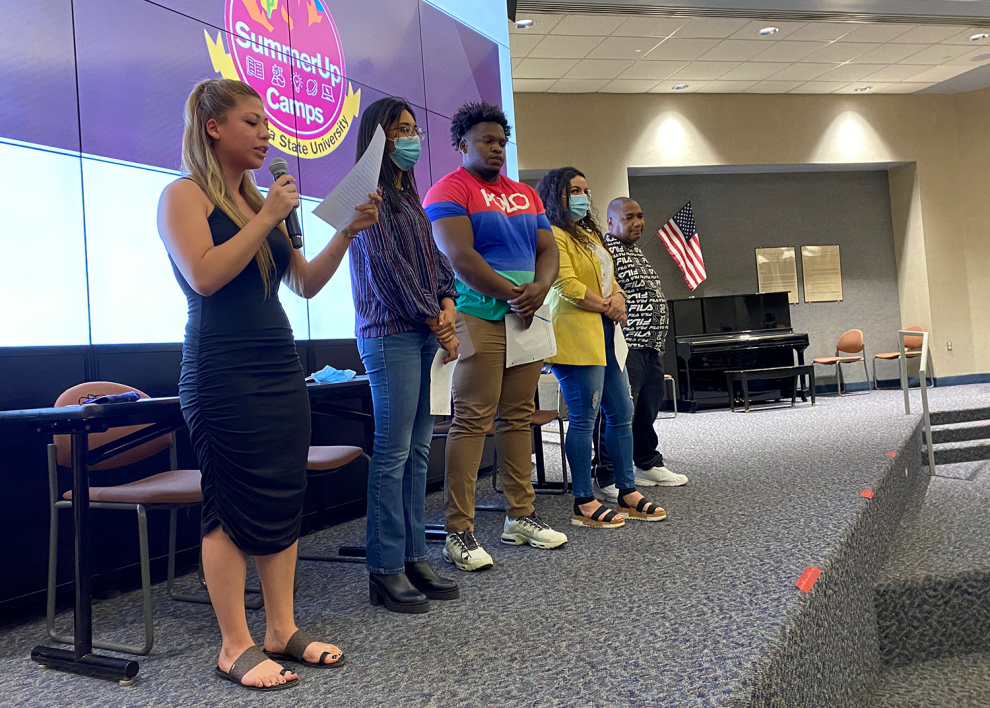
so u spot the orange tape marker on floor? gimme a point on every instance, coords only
(808, 578)
(891, 454)
(866, 494)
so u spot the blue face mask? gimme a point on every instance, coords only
(577, 206)
(407, 151)
(328, 374)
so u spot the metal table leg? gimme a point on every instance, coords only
(81, 659)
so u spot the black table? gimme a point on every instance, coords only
(744, 376)
(324, 399)
(161, 416)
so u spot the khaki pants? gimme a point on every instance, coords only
(483, 386)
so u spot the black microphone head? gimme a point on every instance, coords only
(278, 167)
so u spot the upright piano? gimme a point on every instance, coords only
(713, 335)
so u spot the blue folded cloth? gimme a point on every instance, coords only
(128, 397)
(328, 374)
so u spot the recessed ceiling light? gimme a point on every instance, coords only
(978, 37)
(861, 89)
(523, 24)
(680, 87)
(767, 31)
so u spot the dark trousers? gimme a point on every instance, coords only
(646, 382)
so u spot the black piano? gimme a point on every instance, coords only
(713, 335)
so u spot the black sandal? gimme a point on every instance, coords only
(250, 658)
(295, 648)
(602, 518)
(644, 511)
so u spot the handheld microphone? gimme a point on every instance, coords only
(279, 167)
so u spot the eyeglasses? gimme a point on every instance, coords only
(409, 131)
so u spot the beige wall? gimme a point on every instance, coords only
(940, 202)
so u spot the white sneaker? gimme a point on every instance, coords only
(659, 477)
(464, 551)
(532, 530)
(604, 494)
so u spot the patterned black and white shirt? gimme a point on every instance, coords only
(646, 307)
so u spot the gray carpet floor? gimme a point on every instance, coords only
(669, 614)
(933, 594)
(950, 534)
(955, 682)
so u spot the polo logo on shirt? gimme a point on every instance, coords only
(514, 202)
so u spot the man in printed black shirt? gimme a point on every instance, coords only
(645, 332)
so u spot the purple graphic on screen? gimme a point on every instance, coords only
(37, 75)
(137, 61)
(461, 66)
(291, 54)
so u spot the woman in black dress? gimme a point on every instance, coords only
(242, 388)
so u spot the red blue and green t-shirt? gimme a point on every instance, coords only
(505, 216)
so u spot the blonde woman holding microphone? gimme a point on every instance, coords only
(242, 389)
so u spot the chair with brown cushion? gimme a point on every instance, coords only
(912, 349)
(322, 460)
(850, 343)
(173, 490)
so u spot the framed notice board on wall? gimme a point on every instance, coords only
(776, 271)
(822, 273)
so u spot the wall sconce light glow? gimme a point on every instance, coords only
(672, 139)
(851, 137)
(978, 37)
(680, 87)
(524, 24)
(767, 31)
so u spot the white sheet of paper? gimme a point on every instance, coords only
(441, 377)
(523, 346)
(621, 348)
(338, 208)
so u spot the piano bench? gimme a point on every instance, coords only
(744, 376)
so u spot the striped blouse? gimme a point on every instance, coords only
(398, 275)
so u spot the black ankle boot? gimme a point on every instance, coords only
(424, 579)
(396, 593)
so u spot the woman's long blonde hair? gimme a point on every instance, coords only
(214, 98)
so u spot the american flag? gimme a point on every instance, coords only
(681, 239)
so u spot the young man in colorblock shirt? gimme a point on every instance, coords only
(497, 237)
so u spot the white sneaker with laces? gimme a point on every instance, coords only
(464, 551)
(532, 530)
(604, 494)
(659, 477)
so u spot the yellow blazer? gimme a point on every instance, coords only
(580, 335)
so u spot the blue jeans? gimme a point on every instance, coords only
(584, 389)
(398, 368)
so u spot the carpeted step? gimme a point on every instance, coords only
(933, 617)
(967, 451)
(956, 682)
(964, 415)
(932, 599)
(967, 471)
(960, 432)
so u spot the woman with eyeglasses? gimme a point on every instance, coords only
(587, 306)
(404, 296)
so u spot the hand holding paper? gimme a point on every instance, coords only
(338, 209)
(441, 379)
(528, 344)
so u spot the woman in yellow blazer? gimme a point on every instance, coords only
(586, 305)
